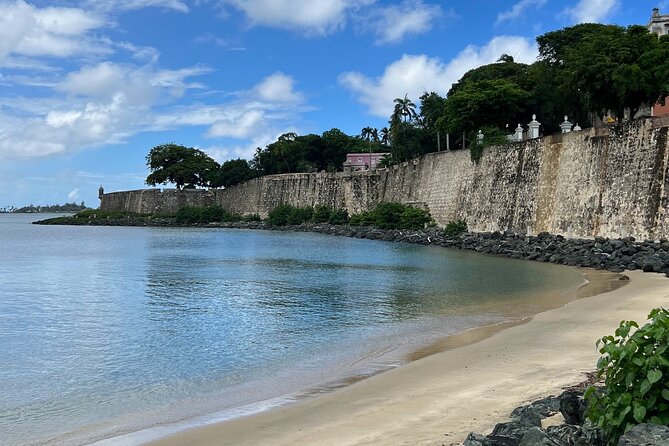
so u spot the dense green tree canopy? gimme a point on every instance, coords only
(611, 67)
(233, 172)
(307, 153)
(183, 166)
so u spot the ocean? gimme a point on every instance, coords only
(120, 334)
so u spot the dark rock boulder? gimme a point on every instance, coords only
(564, 434)
(646, 435)
(536, 436)
(571, 407)
(474, 439)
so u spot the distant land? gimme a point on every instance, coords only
(32, 209)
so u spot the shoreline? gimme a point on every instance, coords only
(440, 398)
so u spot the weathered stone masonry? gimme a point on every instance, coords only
(580, 184)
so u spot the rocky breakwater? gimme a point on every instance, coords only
(562, 421)
(615, 255)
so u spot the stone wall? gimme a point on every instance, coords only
(579, 184)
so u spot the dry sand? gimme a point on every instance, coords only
(437, 400)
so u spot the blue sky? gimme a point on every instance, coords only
(88, 87)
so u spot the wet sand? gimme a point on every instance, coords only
(473, 384)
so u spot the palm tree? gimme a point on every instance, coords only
(368, 134)
(385, 134)
(404, 108)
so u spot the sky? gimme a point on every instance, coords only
(88, 87)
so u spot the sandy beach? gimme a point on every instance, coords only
(439, 399)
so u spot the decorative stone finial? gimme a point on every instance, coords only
(566, 125)
(533, 131)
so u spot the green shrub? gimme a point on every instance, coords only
(414, 218)
(322, 214)
(279, 215)
(286, 214)
(362, 219)
(454, 228)
(388, 215)
(636, 371)
(300, 215)
(338, 217)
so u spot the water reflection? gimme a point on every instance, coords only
(146, 324)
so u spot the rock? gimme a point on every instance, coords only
(510, 433)
(571, 407)
(495, 440)
(536, 436)
(590, 435)
(564, 434)
(646, 435)
(474, 439)
(623, 277)
(539, 409)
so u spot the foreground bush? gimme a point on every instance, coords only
(206, 214)
(393, 216)
(454, 228)
(636, 371)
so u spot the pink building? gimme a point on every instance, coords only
(363, 161)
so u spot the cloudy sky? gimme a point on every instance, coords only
(88, 87)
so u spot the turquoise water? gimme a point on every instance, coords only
(108, 330)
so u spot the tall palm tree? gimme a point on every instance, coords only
(367, 134)
(385, 134)
(404, 108)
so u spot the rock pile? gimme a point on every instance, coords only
(525, 427)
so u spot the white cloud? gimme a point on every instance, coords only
(312, 17)
(278, 87)
(139, 85)
(74, 194)
(105, 104)
(592, 11)
(240, 126)
(414, 74)
(393, 23)
(26, 30)
(126, 5)
(519, 9)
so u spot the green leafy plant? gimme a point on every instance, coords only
(414, 218)
(338, 217)
(454, 228)
(635, 365)
(286, 214)
(322, 214)
(362, 219)
(388, 215)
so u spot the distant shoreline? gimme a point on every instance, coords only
(615, 255)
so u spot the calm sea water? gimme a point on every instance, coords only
(109, 330)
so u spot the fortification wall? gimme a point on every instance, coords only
(155, 201)
(580, 184)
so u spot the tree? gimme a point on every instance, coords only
(404, 109)
(183, 166)
(233, 172)
(612, 67)
(486, 103)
